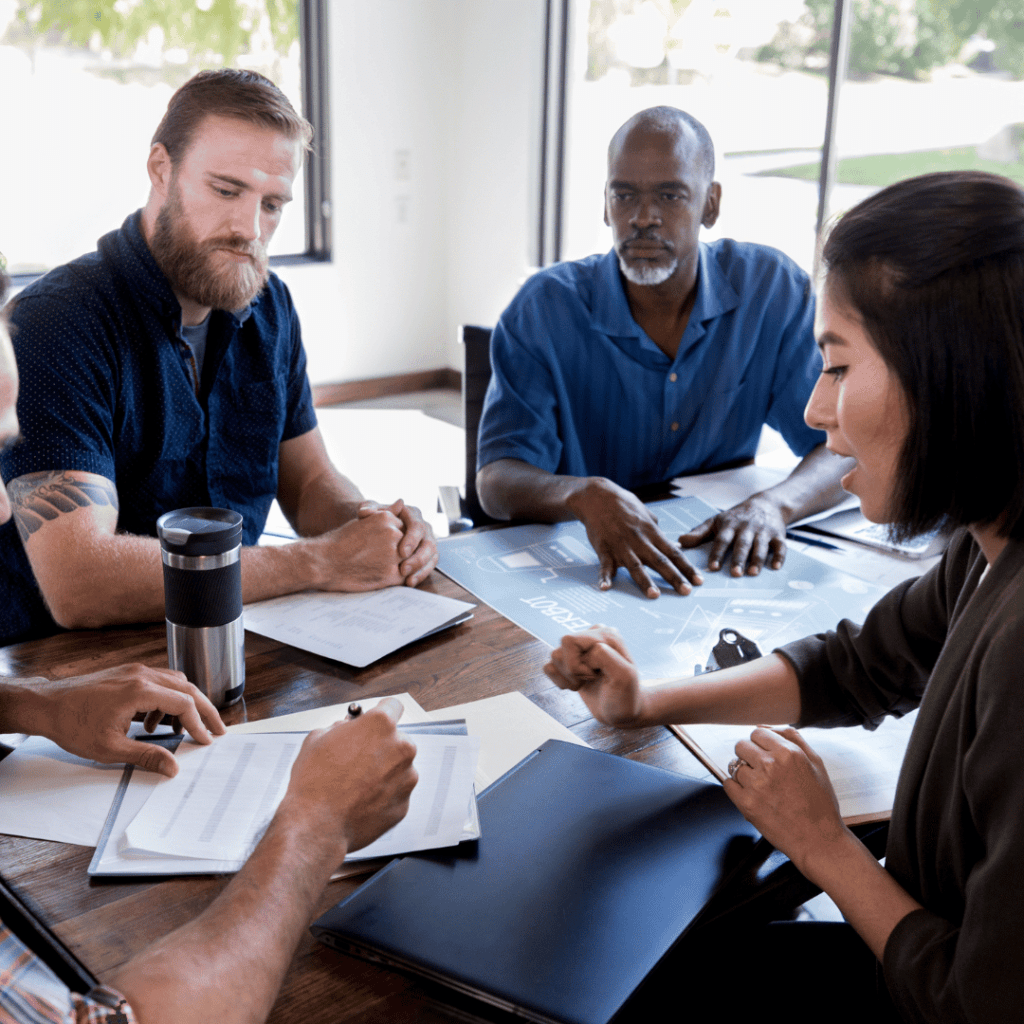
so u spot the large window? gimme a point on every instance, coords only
(931, 85)
(921, 85)
(705, 57)
(85, 85)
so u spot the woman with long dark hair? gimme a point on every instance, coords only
(921, 328)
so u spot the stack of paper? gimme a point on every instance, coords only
(209, 817)
(47, 793)
(222, 799)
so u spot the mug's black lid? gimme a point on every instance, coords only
(199, 531)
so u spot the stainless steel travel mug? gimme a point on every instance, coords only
(203, 599)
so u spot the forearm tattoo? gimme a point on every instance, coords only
(36, 498)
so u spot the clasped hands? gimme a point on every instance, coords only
(782, 788)
(383, 546)
(624, 532)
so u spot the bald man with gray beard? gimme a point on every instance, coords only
(663, 357)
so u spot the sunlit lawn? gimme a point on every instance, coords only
(885, 168)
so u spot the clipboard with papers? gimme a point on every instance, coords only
(211, 815)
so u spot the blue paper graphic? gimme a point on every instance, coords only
(544, 578)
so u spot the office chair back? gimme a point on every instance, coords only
(476, 375)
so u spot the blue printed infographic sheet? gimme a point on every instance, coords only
(545, 579)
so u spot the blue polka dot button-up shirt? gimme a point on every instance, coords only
(108, 387)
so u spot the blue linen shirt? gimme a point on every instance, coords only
(579, 388)
(108, 387)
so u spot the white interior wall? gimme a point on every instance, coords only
(457, 85)
(495, 159)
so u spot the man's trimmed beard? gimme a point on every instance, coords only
(192, 267)
(646, 274)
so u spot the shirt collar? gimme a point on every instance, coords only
(715, 296)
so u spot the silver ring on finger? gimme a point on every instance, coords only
(734, 766)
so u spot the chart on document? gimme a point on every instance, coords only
(545, 579)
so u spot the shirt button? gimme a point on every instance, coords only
(675, 426)
(672, 377)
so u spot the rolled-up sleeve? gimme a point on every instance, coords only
(30, 993)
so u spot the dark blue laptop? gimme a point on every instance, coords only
(590, 867)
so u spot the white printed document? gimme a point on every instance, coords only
(219, 804)
(221, 800)
(136, 786)
(510, 727)
(357, 629)
(47, 793)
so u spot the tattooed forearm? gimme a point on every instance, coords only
(36, 498)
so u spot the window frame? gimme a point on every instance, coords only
(315, 65)
(314, 57)
(555, 122)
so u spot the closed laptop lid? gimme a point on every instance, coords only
(588, 869)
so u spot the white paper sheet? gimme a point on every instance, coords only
(225, 794)
(510, 726)
(729, 487)
(356, 629)
(319, 718)
(221, 800)
(437, 810)
(47, 793)
(112, 860)
(862, 765)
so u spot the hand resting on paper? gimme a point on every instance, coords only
(624, 532)
(353, 779)
(756, 531)
(756, 528)
(621, 529)
(89, 715)
(784, 791)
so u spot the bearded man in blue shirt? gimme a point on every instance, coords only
(664, 357)
(350, 783)
(167, 370)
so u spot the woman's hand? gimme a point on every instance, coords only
(597, 665)
(782, 789)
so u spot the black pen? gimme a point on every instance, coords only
(804, 539)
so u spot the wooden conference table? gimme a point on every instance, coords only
(104, 923)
